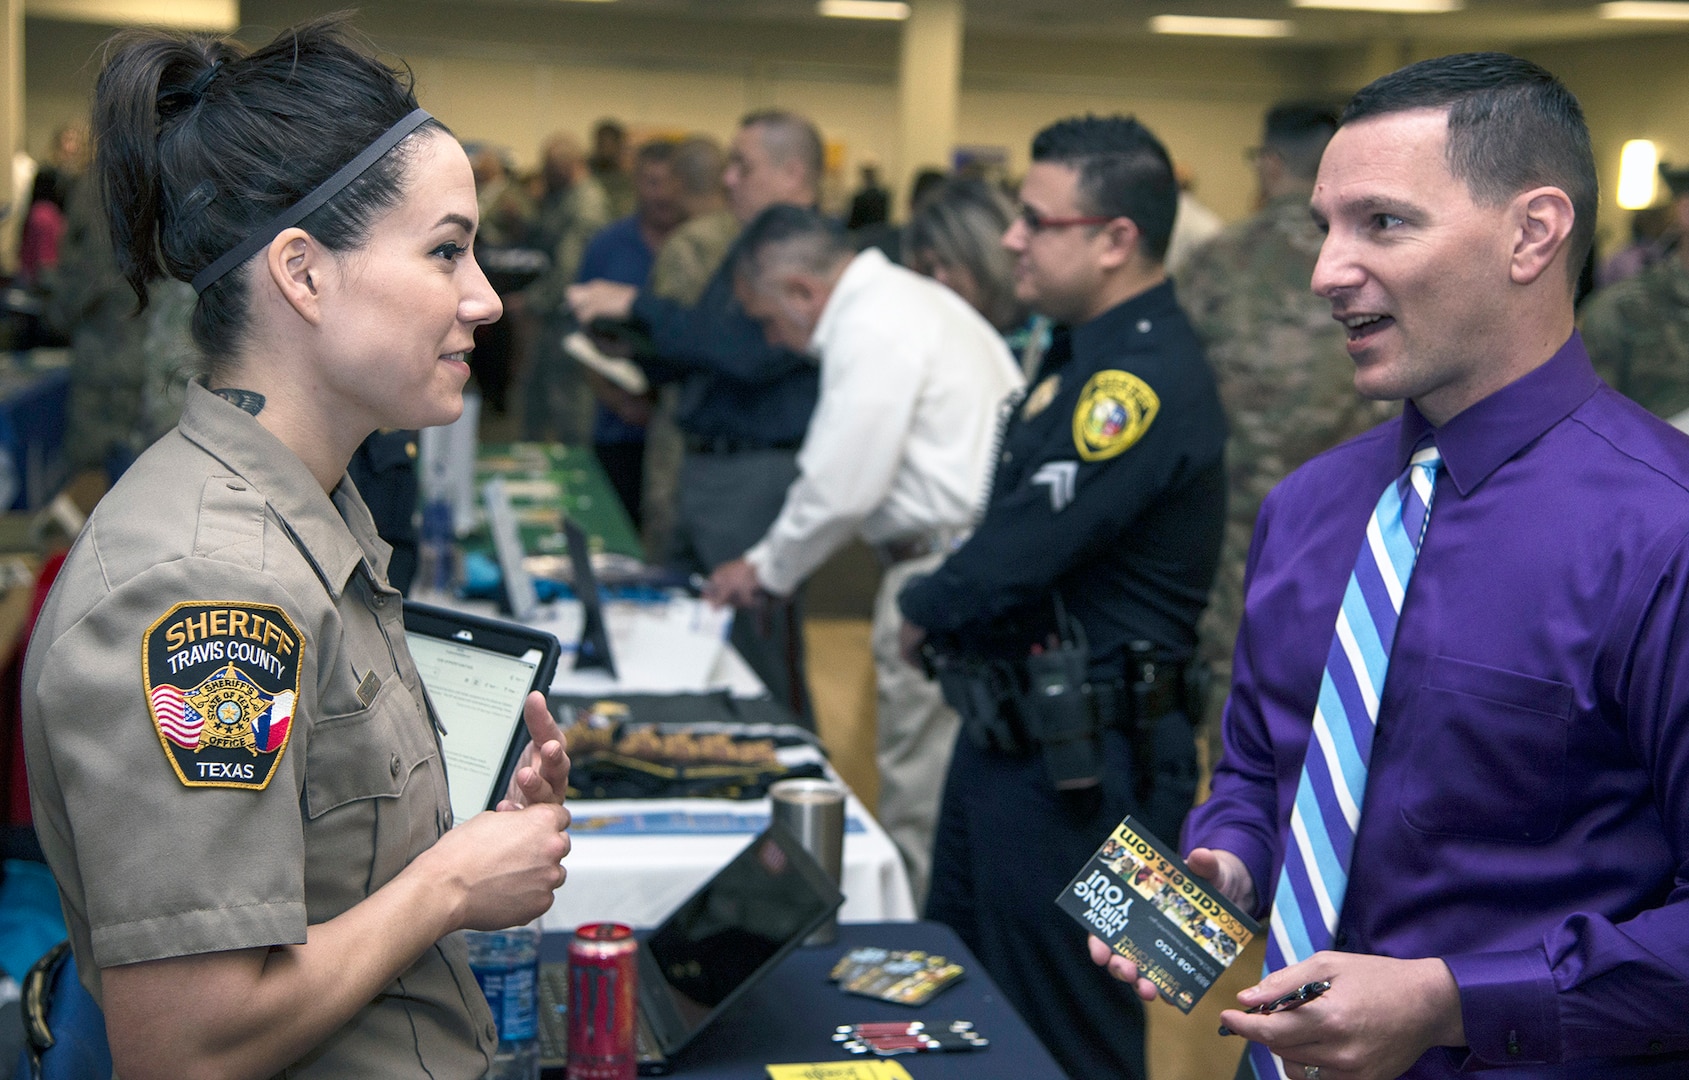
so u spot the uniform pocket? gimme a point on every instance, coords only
(363, 754)
(1488, 759)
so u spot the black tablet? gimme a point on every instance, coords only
(477, 672)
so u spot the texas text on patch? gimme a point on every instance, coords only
(222, 680)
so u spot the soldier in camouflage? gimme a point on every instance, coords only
(1637, 331)
(557, 402)
(128, 370)
(1284, 373)
(685, 264)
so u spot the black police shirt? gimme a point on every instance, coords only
(1109, 492)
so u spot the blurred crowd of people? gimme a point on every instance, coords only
(960, 390)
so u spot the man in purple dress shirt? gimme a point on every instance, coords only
(1518, 895)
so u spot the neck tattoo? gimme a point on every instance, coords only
(245, 400)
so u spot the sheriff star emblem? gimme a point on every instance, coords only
(221, 683)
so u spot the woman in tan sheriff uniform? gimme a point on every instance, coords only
(235, 774)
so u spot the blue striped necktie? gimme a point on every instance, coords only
(1327, 812)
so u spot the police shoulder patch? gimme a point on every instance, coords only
(1115, 409)
(222, 681)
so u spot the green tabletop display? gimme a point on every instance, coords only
(544, 479)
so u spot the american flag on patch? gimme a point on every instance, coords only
(270, 729)
(180, 723)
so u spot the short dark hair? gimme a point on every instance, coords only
(656, 152)
(698, 160)
(786, 135)
(1512, 126)
(1124, 171)
(199, 143)
(789, 234)
(1297, 132)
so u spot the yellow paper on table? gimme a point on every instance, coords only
(840, 1070)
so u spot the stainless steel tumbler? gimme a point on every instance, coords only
(814, 812)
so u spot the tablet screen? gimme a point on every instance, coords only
(477, 681)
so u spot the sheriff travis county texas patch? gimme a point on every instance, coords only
(222, 680)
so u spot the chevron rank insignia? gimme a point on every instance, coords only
(1059, 477)
(222, 682)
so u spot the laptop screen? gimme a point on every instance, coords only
(477, 673)
(748, 916)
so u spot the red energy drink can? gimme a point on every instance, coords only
(603, 967)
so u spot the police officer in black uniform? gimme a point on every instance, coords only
(1063, 630)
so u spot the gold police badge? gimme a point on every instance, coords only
(222, 683)
(1041, 396)
(1114, 411)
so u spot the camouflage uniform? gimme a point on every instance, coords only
(557, 402)
(1285, 379)
(122, 365)
(687, 261)
(172, 359)
(618, 188)
(1637, 332)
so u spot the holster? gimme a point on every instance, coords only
(1158, 687)
(1058, 712)
(983, 693)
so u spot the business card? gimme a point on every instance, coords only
(839, 1070)
(1143, 900)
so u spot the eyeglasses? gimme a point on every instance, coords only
(1036, 223)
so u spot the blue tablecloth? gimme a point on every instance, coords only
(790, 1016)
(34, 409)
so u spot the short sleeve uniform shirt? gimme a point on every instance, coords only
(227, 739)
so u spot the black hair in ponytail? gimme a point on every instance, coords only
(199, 143)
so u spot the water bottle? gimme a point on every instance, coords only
(507, 965)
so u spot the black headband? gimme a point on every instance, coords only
(318, 195)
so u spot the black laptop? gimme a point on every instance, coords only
(728, 935)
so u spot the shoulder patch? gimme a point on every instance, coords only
(1114, 411)
(222, 680)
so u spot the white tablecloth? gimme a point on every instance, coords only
(672, 646)
(640, 879)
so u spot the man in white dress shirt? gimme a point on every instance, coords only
(898, 452)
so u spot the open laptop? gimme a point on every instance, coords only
(717, 945)
(477, 673)
(593, 651)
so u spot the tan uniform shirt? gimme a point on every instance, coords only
(186, 803)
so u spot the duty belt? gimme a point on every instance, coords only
(1150, 690)
(1047, 705)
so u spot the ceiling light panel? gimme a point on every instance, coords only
(1645, 11)
(1210, 26)
(863, 9)
(1396, 7)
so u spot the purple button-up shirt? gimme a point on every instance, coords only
(1527, 809)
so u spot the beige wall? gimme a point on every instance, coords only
(1630, 89)
(512, 73)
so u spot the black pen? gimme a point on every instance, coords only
(1293, 1000)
